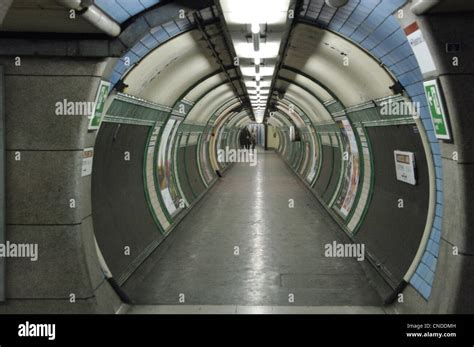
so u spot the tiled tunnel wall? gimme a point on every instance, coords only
(391, 234)
(168, 160)
(370, 24)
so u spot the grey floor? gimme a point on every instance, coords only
(281, 249)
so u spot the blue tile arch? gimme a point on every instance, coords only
(368, 23)
(121, 10)
(371, 25)
(154, 38)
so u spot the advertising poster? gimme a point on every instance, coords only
(312, 173)
(204, 159)
(350, 182)
(168, 190)
(307, 158)
(173, 189)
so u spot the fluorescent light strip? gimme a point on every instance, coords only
(255, 28)
(252, 14)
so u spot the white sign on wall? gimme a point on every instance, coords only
(87, 158)
(420, 48)
(405, 166)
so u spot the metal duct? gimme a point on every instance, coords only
(336, 3)
(93, 15)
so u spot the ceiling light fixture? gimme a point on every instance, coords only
(255, 11)
(255, 28)
(258, 16)
(256, 42)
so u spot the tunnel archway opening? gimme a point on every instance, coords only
(333, 126)
(327, 127)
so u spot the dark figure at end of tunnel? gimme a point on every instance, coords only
(253, 139)
(245, 138)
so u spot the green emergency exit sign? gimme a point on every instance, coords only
(99, 108)
(437, 109)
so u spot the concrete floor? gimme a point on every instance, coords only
(281, 250)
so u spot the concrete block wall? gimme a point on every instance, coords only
(451, 291)
(44, 160)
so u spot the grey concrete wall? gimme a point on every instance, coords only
(184, 182)
(4, 6)
(122, 217)
(392, 235)
(324, 178)
(2, 181)
(41, 183)
(454, 277)
(193, 171)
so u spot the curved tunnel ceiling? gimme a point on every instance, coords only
(173, 67)
(311, 106)
(293, 114)
(205, 86)
(302, 80)
(312, 72)
(332, 67)
(320, 54)
(206, 107)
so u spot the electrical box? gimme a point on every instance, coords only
(405, 166)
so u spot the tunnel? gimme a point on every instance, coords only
(270, 156)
